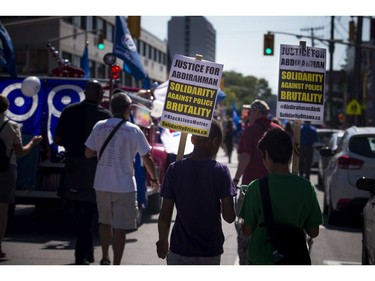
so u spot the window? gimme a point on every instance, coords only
(363, 145)
(77, 21)
(109, 32)
(99, 23)
(89, 23)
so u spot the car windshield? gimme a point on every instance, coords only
(363, 145)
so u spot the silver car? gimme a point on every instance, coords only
(353, 159)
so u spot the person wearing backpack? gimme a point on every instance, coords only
(10, 135)
(292, 197)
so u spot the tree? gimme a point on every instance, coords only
(244, 89)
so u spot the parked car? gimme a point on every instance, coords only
(323, 160)
(353, 159)
(368, 232)
(324, 138)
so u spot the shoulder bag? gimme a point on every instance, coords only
(288, 241)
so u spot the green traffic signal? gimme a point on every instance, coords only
(101, 46)
(268, 44)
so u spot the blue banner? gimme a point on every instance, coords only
(125, 49)
(85, 65)
(41, 111)
(7, 52)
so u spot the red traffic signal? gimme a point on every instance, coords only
(115, 71)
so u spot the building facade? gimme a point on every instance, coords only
(191, 35)
(68, 35)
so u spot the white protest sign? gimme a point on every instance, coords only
(191, 95)
(301, 83)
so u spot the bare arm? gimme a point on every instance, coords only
(23, 150)
(89, 153)
(164, 223)
(313, 232)
(150, 167)
(243, 161)
(229, 214)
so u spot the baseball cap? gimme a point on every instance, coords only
(260, 105)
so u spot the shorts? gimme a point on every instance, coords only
(8, 179)
(176, 259)
(120, 210)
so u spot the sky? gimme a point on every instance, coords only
(239, 40)
(239, 24)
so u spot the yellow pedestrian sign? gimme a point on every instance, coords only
(353, 108)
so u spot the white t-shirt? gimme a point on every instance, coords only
(115, 170)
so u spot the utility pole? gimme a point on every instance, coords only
(311, 29)
(357, 68)
(330, 79)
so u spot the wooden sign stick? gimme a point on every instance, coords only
(297, 136)
(183, 137)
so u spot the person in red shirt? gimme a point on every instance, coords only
(250, 161)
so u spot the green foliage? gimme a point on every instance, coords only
(244, 89)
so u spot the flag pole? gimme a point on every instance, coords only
(183, 137)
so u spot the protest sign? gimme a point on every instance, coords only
(191, 96)
(301, 83)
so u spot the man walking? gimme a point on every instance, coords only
(309, 136)
(115, 183)
(74, 126)
(250, 163)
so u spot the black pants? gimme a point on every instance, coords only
(86, 218)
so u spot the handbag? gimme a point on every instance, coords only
(110, 137)
(288, 241)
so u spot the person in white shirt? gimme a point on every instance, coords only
(115, 183)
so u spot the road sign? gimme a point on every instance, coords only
(353, 108)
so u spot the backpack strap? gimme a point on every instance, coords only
(267, 208)
(6, 122)
(110, 137)
(4, 125)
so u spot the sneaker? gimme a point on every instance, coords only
(82, 262)
(105, 262)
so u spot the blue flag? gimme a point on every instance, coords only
(146, 83)
(85, 65)
(125, 49)
(236, 118)
(7, 52)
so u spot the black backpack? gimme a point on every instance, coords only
(288, 241)
(4, 159)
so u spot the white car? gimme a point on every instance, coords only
(353, 159)
(323, 160)
(324, 138)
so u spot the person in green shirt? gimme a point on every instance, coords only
(293, 199)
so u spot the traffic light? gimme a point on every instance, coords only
(268, 44)
(134, 25)
(100, 41)
(115, 71)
